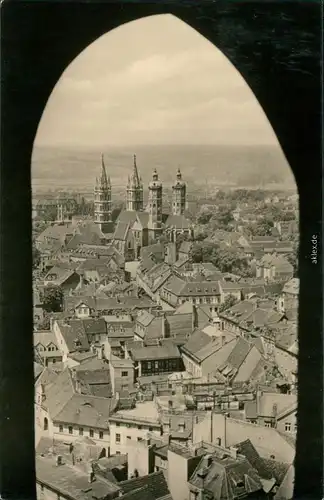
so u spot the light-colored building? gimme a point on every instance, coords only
(273, 410)
(121, 374)
(46, 348)
(64, 413)
(129, 426)
(269, 442)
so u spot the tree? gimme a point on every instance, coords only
(204, 216)
(229, 301)
(45, 324)
(227, 260)
(49, 213)
(263, 227)
(36, 256)
(224, 218)
(52, 298)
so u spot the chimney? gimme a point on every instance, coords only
(91, 476)
(59, 460)
(170, 404)
(275, 410)
(194, 323)
(223, 340)
(209, 460)
(233, 452)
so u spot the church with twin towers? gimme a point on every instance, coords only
(139, 225)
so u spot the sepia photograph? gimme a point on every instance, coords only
(165, 277)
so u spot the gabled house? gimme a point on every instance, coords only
(120, 329)
(249, 316)
(205, 349)
(273, 410)
(65, 277)
(161, 356)
(274, 267)
(76, 335)
(289, 298)
(225, 475)
(152, 280)
(286, 351)
(46, 348)
(67, 414)
(286, 228)
(177, 291)
(103, 305)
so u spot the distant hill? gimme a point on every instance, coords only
(212, 166)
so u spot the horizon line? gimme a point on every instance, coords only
(141, 145)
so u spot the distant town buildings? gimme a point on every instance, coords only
(159, 377)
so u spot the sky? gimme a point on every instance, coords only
(152, 81)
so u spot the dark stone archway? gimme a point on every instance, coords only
(276, 47)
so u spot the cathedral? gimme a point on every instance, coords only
(138, 226)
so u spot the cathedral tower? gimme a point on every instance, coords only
(134, 191)
(155, 206)
(102, 200)
(178, 195)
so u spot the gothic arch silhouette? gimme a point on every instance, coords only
(276, 48)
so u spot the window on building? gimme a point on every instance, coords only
(295, 427)
(150, 429)
(125, 374)
(70, 430)
(117, 424)
(100, 434)
(139, 427)
(267, 424)
(117, 438)
(129, 438)
(80, 431)
(287, 426)
(139, 439)
(61, 428)
(91, 433)
(117, 452)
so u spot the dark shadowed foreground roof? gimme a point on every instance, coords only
(143, 493)
(155, 482)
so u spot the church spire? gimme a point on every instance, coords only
(136, 171)
(103, 178)
(134, 192)
(102, 200)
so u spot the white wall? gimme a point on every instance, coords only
(133, 432)
(66, 436)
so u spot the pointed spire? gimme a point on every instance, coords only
(179, 175)
(103, 179)
(135, 176)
